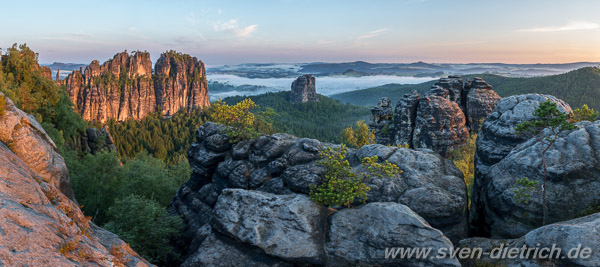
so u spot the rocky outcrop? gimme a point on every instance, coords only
(273, 218)
(495, 141)
(405, 116)
(381, 121)
(480, 102)
(46, 72)
(27, 139)
(40, 225)
(440, 125)
(96, 140)
(303, 90)
(353, 242)
(180, 83)
(565, 242)
(440, 120)
(573, 172)
(125, 88)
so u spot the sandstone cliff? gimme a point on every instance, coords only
(125, 87)
(40, 223)
(441, 119)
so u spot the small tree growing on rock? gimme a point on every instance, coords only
(359, 136)
(341, 185)
(547, 117)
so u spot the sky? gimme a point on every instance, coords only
(287, 31)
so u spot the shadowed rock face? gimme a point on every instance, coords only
(564, 235)
(440, 120)
(254, 194)
(38, 214)
(496, 141)
(303, 90)
(124, 87)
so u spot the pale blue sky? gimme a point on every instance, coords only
(227, 32)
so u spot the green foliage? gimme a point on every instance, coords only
(369, 97)
(359, 136)
(2, 104)
(323, 120)
(99, 180)
(464, 159)
(590, 210)
(146, 226)
(244, 124)
(583, 114)
(341, 184)
(21, 80)
(524, 189)
(166, 139)
(547, 115)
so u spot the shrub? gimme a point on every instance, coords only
(463, 158)
(583, 114)
(524, 189)
(2, 104)
(359, 136)
(239, 117)
(341, 185)
(146, 226)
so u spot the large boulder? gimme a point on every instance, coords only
(496, 140)
(256, 192)
(571, 188)
(440, 125)
(352, 241)
(290, 227)
(27, 139)
(570, 243)
(39, 224)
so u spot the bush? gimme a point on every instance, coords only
(2, 104)
(146, 226)
(341, 185)
(583, 114)
(463, 158)
(244, 124)
(359, 136)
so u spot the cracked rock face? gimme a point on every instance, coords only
(441, 119)
(38, 214)
(254, 194)
(125, 87)
(495, 141)
(303, 90)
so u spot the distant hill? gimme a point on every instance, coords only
(578, 87)
(323, 120)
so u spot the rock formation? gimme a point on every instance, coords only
(124, 87)
(440, 120)
(581, 232)
(502, 157)
(27, 139)
(41, 224)
(251, 198)
(303, 90)
(46, 72)
(96, 140)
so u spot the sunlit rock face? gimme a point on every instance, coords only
(125, 87)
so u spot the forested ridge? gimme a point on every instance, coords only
(577, 87)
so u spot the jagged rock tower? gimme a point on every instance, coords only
(440, 120)
(125, 87)
(303, 90)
